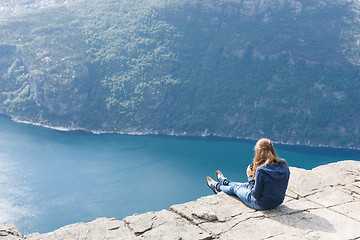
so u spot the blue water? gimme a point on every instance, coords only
(49, 178)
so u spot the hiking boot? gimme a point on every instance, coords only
(212, 184)
(220, 177)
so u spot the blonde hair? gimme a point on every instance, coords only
(265, 154)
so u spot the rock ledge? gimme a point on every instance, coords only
(322, 203)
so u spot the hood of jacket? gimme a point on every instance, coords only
(277, 171)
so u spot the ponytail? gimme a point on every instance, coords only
(264, 154)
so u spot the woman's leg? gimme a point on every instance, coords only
(232, 187)
(241, 190)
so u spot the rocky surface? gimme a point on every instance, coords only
(322, 203)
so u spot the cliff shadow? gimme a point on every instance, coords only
(301, 219)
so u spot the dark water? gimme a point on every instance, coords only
(49, 178)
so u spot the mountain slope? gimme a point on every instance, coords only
(285, 69)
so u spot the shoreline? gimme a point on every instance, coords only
(204, 136)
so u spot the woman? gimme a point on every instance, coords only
(268, 179)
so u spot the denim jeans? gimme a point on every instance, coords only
(242, 190)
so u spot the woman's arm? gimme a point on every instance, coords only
(250, 174)
(249, 171)
(257, 188)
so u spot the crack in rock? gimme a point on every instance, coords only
(280, 234)
(113, 228)
(339, 204)
(346, 215)
(146, 230)
(349, 191)
(183, 216)
(307, 195)
(138, 233)
(246, 219)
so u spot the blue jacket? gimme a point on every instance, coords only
(270, 184)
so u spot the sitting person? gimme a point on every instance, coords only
(268, 179)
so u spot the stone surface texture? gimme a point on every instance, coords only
(322, 203)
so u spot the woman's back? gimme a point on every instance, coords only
(270, 184)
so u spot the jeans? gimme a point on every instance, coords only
(242, 190)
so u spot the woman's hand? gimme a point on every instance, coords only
(249, 172)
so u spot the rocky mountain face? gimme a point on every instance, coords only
(284, 69)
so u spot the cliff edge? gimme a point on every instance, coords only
(322, 203)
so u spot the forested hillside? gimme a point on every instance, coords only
(283, 69)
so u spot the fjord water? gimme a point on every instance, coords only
(49, 178)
